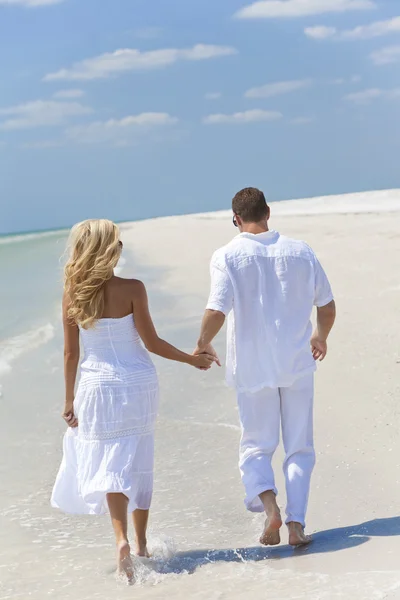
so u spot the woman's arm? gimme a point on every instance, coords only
(148, 333)
(71, 361)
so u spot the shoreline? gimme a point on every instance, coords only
(343, 203)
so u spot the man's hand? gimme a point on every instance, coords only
(208, 350)
(319, 347)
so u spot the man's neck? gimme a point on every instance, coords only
(255, 228)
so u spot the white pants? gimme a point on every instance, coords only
(261, 414)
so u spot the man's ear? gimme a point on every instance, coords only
(268, 213)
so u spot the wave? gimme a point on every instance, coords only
(24, 237)
(11, 349)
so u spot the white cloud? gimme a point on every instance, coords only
(386, 56)
(129, 59)
(367, 96)
(320, 32)
(119, 131)
(40, 113)
(69, 94)
(30, 3)
(278, 88)
(248, 116)
(356, 79)
(271, 9)
(373, 30)
(213, 95)
(362, 32)
(302, 120)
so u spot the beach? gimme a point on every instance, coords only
(204, 543)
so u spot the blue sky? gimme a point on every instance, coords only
(138, 108)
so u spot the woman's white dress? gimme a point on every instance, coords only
(112, 449)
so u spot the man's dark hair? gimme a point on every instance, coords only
(250, 205)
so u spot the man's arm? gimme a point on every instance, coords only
(219, 304)
(326, 311)
(326, 316)
(213, 321)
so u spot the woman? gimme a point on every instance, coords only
(109, 445)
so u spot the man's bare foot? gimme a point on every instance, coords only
(271, 535)
(124, 561)
(141, 549)
(297, 537)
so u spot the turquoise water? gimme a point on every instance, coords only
(31, 280)
(30, 296)
(31, 268)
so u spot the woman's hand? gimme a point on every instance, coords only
(202, 361)
(69, 416)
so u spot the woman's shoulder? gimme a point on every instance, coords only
(133, 285)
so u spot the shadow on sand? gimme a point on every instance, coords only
(331, 540)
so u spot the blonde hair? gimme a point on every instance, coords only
(94, 251)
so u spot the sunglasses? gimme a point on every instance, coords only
(234, 221)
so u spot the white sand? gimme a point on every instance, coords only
(357, 479)
(198, 502)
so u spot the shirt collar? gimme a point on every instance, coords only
(264, 236)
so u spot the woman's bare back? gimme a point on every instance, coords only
(119, 297)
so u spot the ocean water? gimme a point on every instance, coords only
(203, 542)
(31, 283)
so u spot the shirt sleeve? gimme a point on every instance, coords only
(323, 292)
(221, 295)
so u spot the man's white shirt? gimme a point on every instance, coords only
(267, 284)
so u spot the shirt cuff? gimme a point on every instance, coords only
(217, 307)
(324, 302)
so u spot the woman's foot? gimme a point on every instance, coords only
(124, 561)
(271, 535)
(140, 520)
(297, 537)
(141, 549)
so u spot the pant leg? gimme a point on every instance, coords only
(297, 432)
(260, 421)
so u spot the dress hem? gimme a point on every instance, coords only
(98, 508)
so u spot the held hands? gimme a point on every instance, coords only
(319, 347)
(208, 352)
(202, 361)
(69, 415)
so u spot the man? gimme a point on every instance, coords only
(268, 285)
